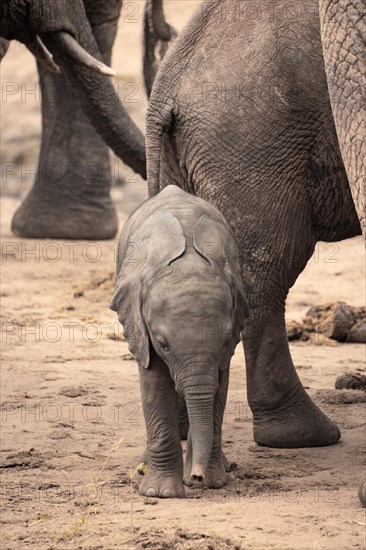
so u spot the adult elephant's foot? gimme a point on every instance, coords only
(283, 413)
(156, 484)
(295, 423)
(42, 215)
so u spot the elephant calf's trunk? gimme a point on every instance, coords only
(197, 474)
(200, 414)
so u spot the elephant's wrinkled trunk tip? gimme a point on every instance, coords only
(197, 474)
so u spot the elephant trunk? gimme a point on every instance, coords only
(103, 107)
(101, 103)
(200, 414)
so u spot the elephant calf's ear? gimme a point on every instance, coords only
(114, 303)
(214, 241)
(138, 342)
(158, 242)
(126, 301)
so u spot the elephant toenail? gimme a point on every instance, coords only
(151, 492)
(167, 493)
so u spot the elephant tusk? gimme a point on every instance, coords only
(73, 49)
(44, 56)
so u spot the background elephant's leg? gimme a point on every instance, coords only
(218, 465)
(284, 415)
(163, 455)
(70, 197)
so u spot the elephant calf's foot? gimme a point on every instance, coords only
(155, 484)
(40, 216)
(298, 424)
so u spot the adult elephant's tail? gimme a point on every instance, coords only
(158, 35)
(162, 166)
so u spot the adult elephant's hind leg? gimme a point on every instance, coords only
(283, 413)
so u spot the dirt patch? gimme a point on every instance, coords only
(183, 540)
(354, 381)
(68, 396)
(24, 460)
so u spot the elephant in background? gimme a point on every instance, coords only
(260, 109)
(180, 299)
(81, 112)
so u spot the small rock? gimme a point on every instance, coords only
(150, 501)
(294, 330)
(45, 486)
(340, 397)
(332, 320)
(73, 392)
(351, 382)
(357, 333)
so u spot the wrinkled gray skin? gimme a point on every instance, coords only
(72, 186)
(248, 113)
(180, 299)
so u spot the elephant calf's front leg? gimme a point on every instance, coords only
(164, 477)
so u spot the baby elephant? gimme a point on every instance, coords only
(180, 299)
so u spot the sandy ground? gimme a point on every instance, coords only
(70, 389)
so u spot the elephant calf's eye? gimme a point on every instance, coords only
(162, 343)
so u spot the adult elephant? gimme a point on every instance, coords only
(70, 197)
(259, 108)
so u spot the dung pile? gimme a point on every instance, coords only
(337, 321)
